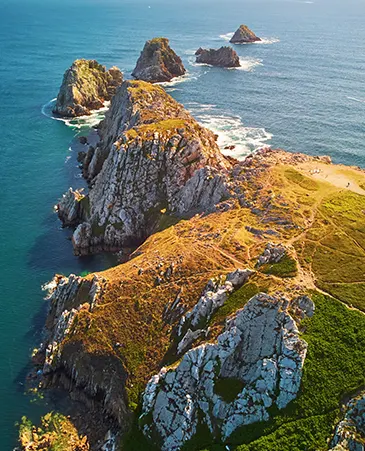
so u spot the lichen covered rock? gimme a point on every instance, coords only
(244, 35)
(223, 57)
(158, 62)
(260, 348)
(86, 86)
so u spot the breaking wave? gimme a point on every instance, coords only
(80, 122)
(247, 64)
(264, 41)
(234, 138)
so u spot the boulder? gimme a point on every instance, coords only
(244, 35)
(158, 62)
(223, 57)
(86, 86)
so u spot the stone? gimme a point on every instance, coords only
(86, 86)
(273, 253)
(259, 346)
(223, 57)
(158, 62)
(244, 35)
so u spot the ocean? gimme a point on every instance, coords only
(301, 89)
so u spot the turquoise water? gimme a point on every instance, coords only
(303, 90)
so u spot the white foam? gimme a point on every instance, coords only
(177, 80)
(231, 131)
(264, 40)
(247, 64)
(93, 119)
(355, 99)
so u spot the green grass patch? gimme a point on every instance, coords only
(286, 267)
(301, 180)
(228, 388)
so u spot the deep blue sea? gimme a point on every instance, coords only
(302, 89)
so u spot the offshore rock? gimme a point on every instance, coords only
(244, 35)
(158, 62)
(69, 207)
(155, 160)
(86, 86)
(223, 57)
(260, 347)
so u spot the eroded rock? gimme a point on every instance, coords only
(86, 86)
(158, 62)
(223, 57)
(244, 35)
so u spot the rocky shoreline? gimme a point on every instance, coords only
(215, 320)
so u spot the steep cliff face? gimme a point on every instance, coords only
(86, 86)
(158, 162)
(244, 35)
(158, 62)
(223, 57)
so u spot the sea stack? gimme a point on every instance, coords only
(223, 57)
(86, 86)
(158, 62)
(244, 35)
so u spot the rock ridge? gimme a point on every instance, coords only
(223, 57)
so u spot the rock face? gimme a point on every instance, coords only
(223, 57)
(153, 159)
(158, 62)
(273, 253)
(86, 86)
(350, 432)
(244, 35)
(260, 348)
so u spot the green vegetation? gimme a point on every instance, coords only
(236, 301)
(301, 180)
(286, 267)
(228, 388)
(56, 433)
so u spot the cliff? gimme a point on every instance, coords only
(158, 62)
(239, 321)
(244, 35)
(223, 57)
(155, 162)
(86, 86)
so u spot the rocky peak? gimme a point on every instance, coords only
(86, 86)
(244, 35)
(158, 62)
(154, 159)
(223, 57)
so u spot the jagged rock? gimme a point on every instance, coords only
(244, 35)
(86, 86)
(223, 57)
(158, 160)
(273, 253)
(69, 207)
(350, 432)
(260, 346)
(158, 62)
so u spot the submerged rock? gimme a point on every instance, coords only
(86, 86)
(158, 62)
(223, 57)
(260, 351)
(244, 35)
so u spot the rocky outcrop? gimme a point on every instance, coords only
(244, 35)
(158, 62)
(273, 253)
(223, 57)
(155, 160)
(260, 351)
(86, 86)
(350, 432)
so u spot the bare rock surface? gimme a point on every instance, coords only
(158, 62)
(223, 57)
(244, 35)
(260, 347)
(86, 86)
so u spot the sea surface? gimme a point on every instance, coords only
(302, 89)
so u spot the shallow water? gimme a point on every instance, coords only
(301, 89)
